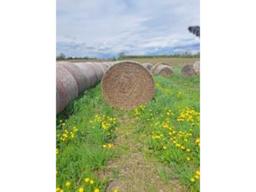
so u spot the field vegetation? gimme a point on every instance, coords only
(153, 147)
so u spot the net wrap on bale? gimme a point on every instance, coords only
(74, 78)
(163, 70)
(188, 70)
(148, 66)
(66, 89)
(127, 84)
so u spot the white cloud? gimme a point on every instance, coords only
(100, 27)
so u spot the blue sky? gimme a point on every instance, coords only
(104, 28)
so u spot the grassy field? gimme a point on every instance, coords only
(154, 147)
(175, 61)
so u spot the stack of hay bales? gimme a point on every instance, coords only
(74, 78)
(188, 70)
(127, 84)
(163, 70)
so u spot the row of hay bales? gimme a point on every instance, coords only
(125, 84)
(166, 70)
(74, 78)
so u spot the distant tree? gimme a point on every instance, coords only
(61, 56)
(121, 55)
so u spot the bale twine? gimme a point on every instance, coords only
(89, 72)
(66, 87)
(127, 84)
(163, 70)
(81, 79)
(196, 67)
(148, 66)
(188, 70)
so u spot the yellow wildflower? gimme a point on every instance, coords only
(96, 190)
(67, 184)
(81, 189)
(91, 181)
(86, 180)
(188, 158)
(192, 180)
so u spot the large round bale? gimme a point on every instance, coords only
(188, 70)
(89, 72)
(66, 87)
(196, 67)
(148, 66)
(81, 80)
(98, 69)
(163, 70)
(127, 84)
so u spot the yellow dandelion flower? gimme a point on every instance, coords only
(196, 176)
(91, 181)
(178, 145)
(67, 184)
(58, 189)
(192, 180)
(96, 190)
(198, 173)
(164, 147)
(87, 180)
(188, 158)
(188, 150)
(81, 189)
(115, 190)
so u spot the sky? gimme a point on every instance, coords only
(106, 28)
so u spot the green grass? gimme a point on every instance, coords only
(83, 130)
(169, 124)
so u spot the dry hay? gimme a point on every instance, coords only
(127, 84)
(66, 87)
(148, 66)
(81, 79)
(196, 67)
(88, 71)
(188, 70)
(163, 70)
(74, 78)
(98, 70)
(157, 64)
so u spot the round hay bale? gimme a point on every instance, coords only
(188, 70)
(163, 70)
(127, 84)
(157, 64)
(98, 69)
(66, 87)
(81, 80)
(89, 72)
(148, 66)
(196, 67)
